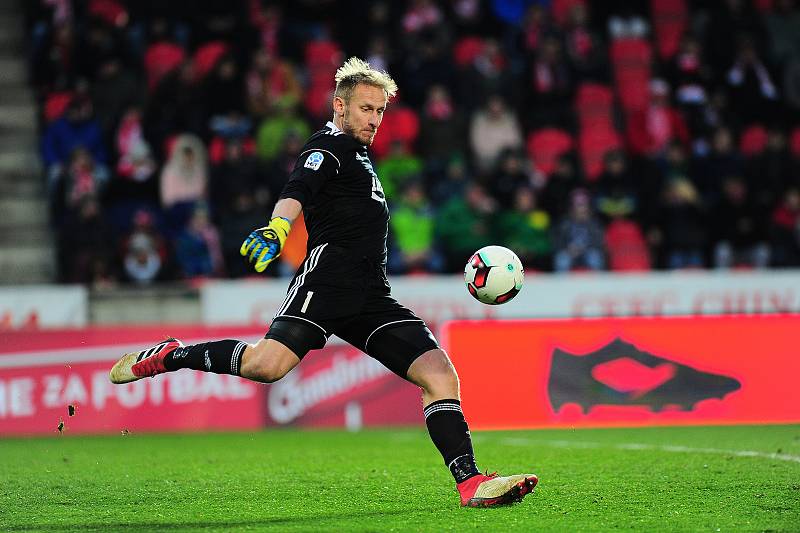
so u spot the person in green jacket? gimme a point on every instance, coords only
(412, 233)
(398, 168)
(464, 224)
(273, 131)
(526, 230)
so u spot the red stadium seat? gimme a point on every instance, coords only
(169, 145)
(161, 59)
(631, 60)
(593, 144)
(634, 92)
(794, 143)
(763, 6)
(207, 56)
(594, 105)
(626, 247)
(670, 19)
(545, 146)
(560, 10)
(466, 50)
(110, 11)
(317, 99)
(753, 140)
(630, 53)
(639, 139)
(593, 96)
(322, 58)
(323, 54)
(216, 149)
(399, 124)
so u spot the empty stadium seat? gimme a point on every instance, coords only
(634, 91)
(161, 59)
(593, 144)
(466, 50)
(753, 140)
(317, 100)
(323, 54)
(626, 247)
(670, 20)
(631, 60)
(560, 10)
(764, 6)
(630, 53)
(207, 56)
(594, 105)
(216, 148)
(399, 124)
(794, 143)
(546, 146)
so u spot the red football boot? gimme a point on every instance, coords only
(147, 363)
(493, 490)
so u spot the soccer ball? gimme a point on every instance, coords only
(494, 275)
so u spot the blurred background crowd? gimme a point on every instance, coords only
(618, 135)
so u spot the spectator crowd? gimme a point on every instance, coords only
(620, 135)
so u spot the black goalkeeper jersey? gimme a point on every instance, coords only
(342, 198)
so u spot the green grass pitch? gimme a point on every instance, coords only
(653, 479)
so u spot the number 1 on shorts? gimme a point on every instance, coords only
(309, 294)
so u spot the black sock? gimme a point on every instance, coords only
(220, 357)
(449, 432)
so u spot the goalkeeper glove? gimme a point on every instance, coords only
(263, 245)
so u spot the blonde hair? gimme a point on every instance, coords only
(355, 71)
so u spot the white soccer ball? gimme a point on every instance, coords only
(494, 275)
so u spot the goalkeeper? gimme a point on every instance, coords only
(341, 287)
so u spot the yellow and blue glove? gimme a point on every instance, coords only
(263, 245)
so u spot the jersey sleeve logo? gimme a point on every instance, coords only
(314, 160)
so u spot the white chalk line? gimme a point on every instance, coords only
(518, 441)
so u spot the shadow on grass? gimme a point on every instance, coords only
(222, 524)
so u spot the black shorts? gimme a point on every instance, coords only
(337, 292)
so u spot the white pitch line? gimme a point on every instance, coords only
(517, 441)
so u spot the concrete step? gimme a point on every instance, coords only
(25, 233)
(20, 141)
(11, 24)
(20, 175)
(12, 27)
(22, 210)
(20, 117)
(26, 140)
(11, 44)
(20, 161)
(12, 188)
(11, 8)
(18, 95)
(27, 264)
(162, 303)
(13, 70)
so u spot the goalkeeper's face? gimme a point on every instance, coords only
(364, 112)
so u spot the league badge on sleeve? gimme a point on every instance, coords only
(314, 160)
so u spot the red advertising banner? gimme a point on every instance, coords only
(59, 378)
(341, 386)
(38, 399)
(50, 378)
(637, 371)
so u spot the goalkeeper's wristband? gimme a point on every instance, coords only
(281, 223)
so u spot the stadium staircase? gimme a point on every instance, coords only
(26, 248)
